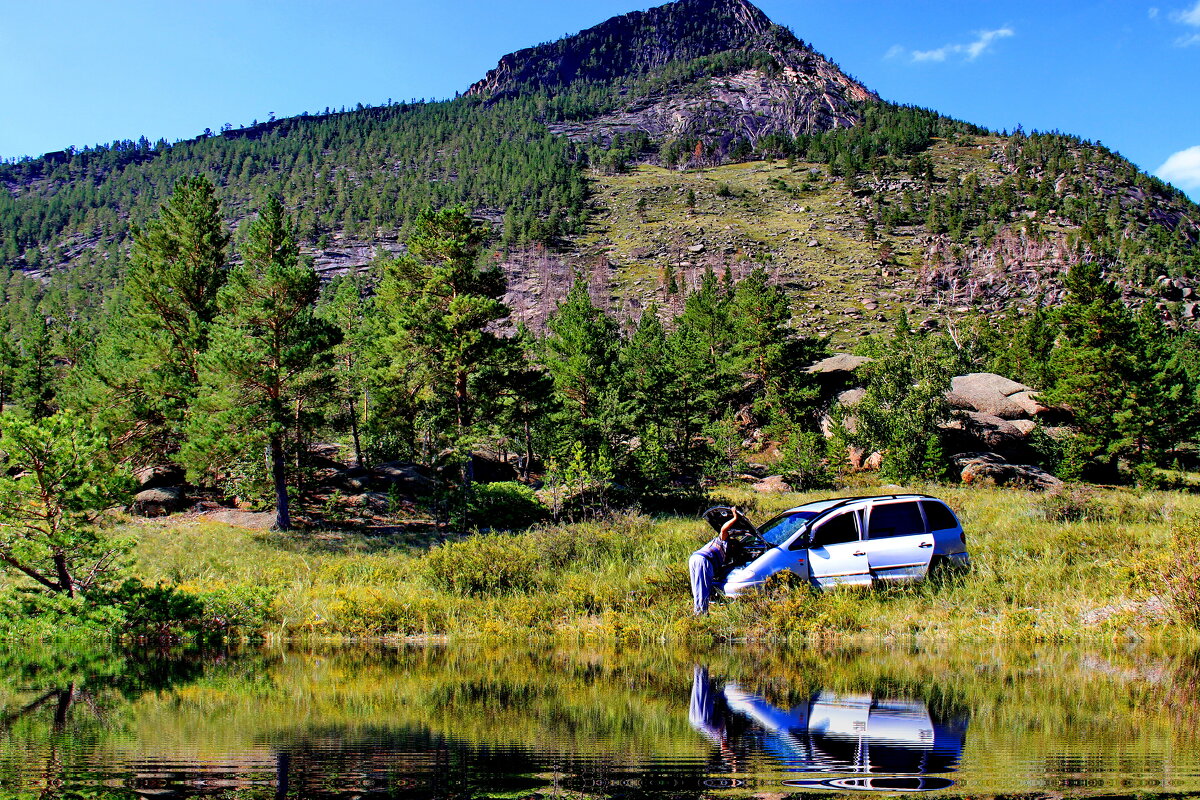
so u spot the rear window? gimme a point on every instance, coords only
(780, 529)
(836, 530)
(895, 519)
(940, 518)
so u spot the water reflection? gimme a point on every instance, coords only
(831, 732)
(442, 722)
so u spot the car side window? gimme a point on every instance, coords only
(836, 530)
(895, 519)
(940, 518)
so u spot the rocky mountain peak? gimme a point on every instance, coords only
(637, 43)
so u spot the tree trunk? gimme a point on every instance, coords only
(283, 521)
(460, 400)
(358, 456)
(65, 698)
(528, 451)
(300, 448)
(65, 583)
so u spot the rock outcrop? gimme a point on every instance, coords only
(991, 469)
(988, 393)
(159, 502)
(767, 82)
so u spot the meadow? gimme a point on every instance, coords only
(1104, 564)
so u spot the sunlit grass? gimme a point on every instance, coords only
(1036, 575)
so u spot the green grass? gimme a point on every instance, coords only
(767, 212)
(1036, 576)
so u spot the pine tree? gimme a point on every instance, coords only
(700, 350)
(580, 353)
(1098, 374)
(348, 309)
(56, 479)
(270, 356)
(442, 309)
(143, 377)
(34, 373)
(177, 267)
(905, 402)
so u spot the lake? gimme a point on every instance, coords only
(466, 721)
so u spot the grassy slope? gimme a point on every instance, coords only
(764, 222)
(625, 579)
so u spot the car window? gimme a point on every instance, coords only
(940, 518)
(895, 519)
(780, 529)
(836, 530)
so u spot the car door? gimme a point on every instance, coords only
(836, 557)
(897, 545)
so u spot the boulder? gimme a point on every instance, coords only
(990, 469)
(992, 432)
(862, 461)
(1025, 426)
(838, 363)
(987, 393)
(407, 478)
(772, 484)
(851, 397)
(158, 475)
(1028, 402)
(372, 501)
(349, 481)
(158, 502)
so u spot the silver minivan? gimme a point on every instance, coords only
(856, 541)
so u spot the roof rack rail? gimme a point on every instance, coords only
(842, 502)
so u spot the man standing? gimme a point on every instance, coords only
(706, 561)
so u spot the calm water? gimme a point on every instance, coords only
(452, 722)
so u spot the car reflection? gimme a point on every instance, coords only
(896, 744)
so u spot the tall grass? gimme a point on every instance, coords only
(1038, 573)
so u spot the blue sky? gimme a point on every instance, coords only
(1123, 72)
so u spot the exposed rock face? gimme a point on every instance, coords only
(647, 40)
(778, 84)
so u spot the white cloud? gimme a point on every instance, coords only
(1189, 16)
(1153, 12)
(1188, 41)
(1182, 168)
(969, 51)
(895, 51)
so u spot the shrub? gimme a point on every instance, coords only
(366, 611)
(241, 611)
(507, 505)
(31, 615)
(1072, 503)
(479, 565)
(1181, 576)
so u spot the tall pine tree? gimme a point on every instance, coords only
(270, 357)
(442, 309)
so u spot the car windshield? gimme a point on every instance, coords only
(780, 529)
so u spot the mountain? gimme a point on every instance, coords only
(646, 150)
(754, 77)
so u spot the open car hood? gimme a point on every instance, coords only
(744, 530)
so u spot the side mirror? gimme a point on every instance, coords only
(803, 541)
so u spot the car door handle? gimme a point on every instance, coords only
(925, 544)
(860, 553)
